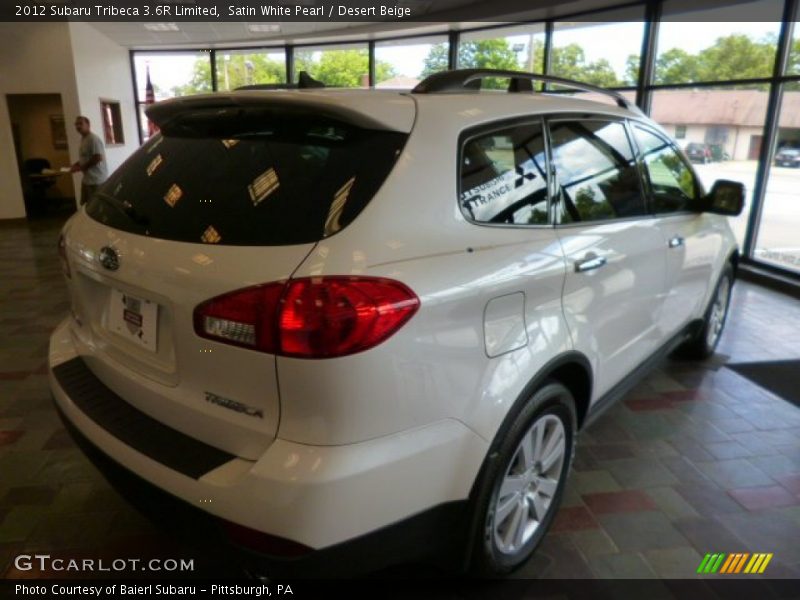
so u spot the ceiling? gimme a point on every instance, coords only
(442, 15)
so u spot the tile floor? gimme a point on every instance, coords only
(696, 459)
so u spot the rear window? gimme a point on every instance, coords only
(248, 180)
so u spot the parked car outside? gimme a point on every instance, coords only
(699, 153)
(361, 327)
(788, 157)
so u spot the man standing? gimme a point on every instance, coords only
(91, 161)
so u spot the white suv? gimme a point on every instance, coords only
(370, 324)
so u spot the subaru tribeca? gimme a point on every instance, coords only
(371, 324)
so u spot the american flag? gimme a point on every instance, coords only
(150, 98)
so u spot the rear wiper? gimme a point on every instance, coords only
(126, 208)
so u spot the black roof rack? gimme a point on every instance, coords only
(461, 80)
(304, 81)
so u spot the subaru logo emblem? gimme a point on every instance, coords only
(109, 258)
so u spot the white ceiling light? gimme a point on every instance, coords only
(161, 27)
(263, 27)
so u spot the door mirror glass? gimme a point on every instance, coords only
(725, 198)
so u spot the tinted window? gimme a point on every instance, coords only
(504, 177)
(255, 180)
(596, 173)
(671, 180)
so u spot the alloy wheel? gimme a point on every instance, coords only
(530, 484)
(716, 319)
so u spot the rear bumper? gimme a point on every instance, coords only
(333, 500)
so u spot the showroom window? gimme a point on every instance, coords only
(595, 170)
(171, 74)
(672, 185)
(519, 48)
(778, 240)
(726, 123)
(605, 53)
(716, 44)
(237, 68)
(402, 64)
(336, 66)
(504, 177)
(793, 67)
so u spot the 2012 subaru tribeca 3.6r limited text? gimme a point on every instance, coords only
(372, 323)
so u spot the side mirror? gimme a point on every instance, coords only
(725, 198)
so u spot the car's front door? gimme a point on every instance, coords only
(691, 241)
(615, 256)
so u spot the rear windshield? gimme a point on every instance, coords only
(248, 181)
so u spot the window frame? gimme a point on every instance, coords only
(621, 119)
(645, 174)
(505, 124)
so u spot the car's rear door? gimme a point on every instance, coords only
(615, 256)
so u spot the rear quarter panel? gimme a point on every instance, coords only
(436, 366)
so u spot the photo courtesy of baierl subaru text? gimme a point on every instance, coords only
(456, 299)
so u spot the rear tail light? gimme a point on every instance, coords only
(319, 317)
(62, 253)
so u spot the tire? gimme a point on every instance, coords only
(519, 495)
(704, 342)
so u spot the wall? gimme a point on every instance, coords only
(32, 113)
(37, 59)
(741, 146)
(71, 59)
(102, 70)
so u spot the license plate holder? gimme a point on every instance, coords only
(135, 319)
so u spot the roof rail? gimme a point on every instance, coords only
(461, 80)
(304, 81)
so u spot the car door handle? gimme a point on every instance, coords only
(589, 263)
(675, 242)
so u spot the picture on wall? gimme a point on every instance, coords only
(58, 132)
